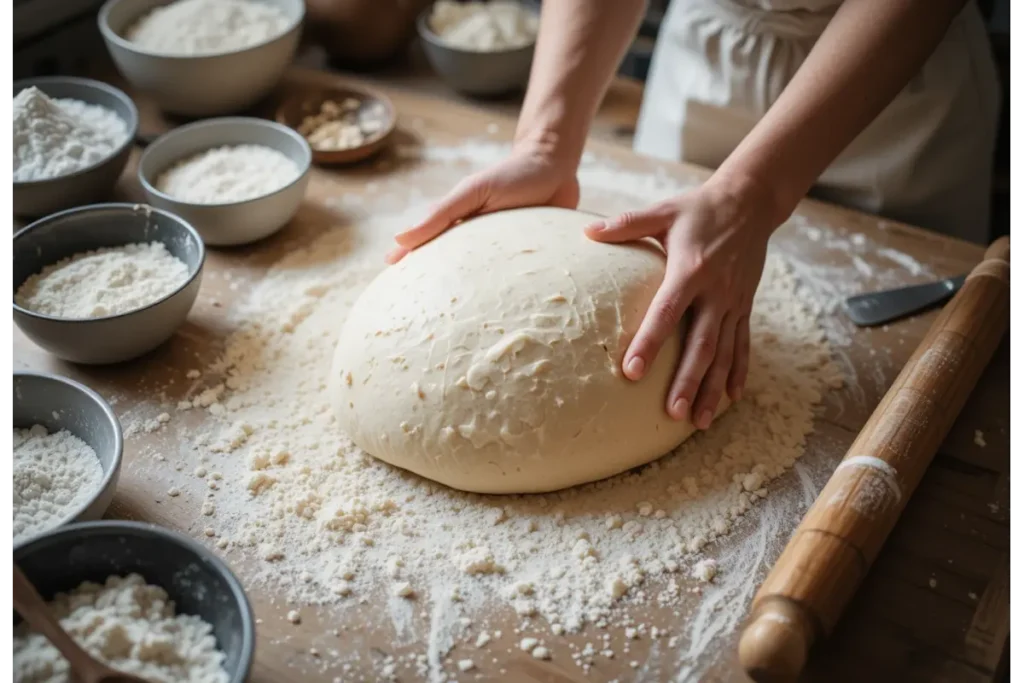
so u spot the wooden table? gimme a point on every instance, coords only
(936, 604)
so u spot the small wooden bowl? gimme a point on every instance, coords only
(307, 102)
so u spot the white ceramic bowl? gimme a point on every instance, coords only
(201, 85)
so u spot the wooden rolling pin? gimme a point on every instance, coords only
(835, 544)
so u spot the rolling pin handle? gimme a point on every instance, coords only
(1000, 250)
(775, 645)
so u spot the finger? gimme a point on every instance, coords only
(662, 319)
(741, 359)
(699, 347)
(395, 255)
(461, 202)
(713, 385)
(632, 225)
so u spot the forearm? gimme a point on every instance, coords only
(870, 50)
(580, 45)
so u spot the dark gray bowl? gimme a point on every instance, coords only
(92, 184)
(196, 580)
(476, 73)
(60, 403)
(114, 338)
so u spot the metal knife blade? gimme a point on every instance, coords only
(877, 308)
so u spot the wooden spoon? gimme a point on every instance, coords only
(33, 609)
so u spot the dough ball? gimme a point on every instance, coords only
(490, 359)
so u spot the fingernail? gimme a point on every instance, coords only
(635, 367)
(704, 420)
(597, 227)
(679, 409)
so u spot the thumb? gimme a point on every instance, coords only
(464, 200)
(632, 225)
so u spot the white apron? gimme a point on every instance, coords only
(927, 159)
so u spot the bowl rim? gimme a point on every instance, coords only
(108, 474)
(225, 121)
(115, 206)
(364, 92)
(112, 36)
(171, 537)
(89, 83)
(428, 34)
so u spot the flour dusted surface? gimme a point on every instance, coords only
(54, 474)
(228, 174)
(56, 137)
(104, 282)
(129, 625)
(205, 27)
(484, 26)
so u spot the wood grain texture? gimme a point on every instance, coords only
(955, 528)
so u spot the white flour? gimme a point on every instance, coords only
(484, 26)
(205, 27)
(104, 282)
(130, 626)
(53, 475)
(228, 174)
(56, 137)
(331, 525)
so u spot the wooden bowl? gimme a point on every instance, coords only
(307, 102)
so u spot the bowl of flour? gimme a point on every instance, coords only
(480, 48)
(67, 454)
(236, 179)
(105, 283)
(145, 600)
(202, 57)
(72, 139)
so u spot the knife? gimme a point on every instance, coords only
(877, 308)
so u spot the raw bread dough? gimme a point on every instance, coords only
(490, 358)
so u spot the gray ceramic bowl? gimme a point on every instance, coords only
(114, 338)
(60, 403)
(196, 580)
(202, 85)
(476, 73)
(40, 197)
(230, 223)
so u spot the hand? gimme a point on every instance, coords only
(715, 239)
(531, 176)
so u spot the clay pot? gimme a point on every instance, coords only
(363, 33)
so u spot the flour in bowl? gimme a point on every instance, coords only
(228, 174)
(57, 137)
(204, 27)
(129, 625)
(484, 26)
(104, 282)
(53, 475)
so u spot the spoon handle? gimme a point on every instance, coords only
(30, 605)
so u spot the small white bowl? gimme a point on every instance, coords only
(229, 223)
(200, 85)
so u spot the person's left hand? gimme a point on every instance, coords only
(715, 239)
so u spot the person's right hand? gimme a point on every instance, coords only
(530, 176)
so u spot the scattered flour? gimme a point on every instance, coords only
(325, 522)
(228, 174)
(130, 626)
(53, 475)
(56, 137)
(484, 26)
(205, 27)
(979, 438)
(104, 282)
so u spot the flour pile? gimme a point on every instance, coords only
(128, 625)
(484, 26)
(56, 137)
(205, 27)
(53, 474)
(228, 174)
(329, 524)
(104, 282)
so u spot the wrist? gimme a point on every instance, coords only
(547, 144)
(752, 193)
